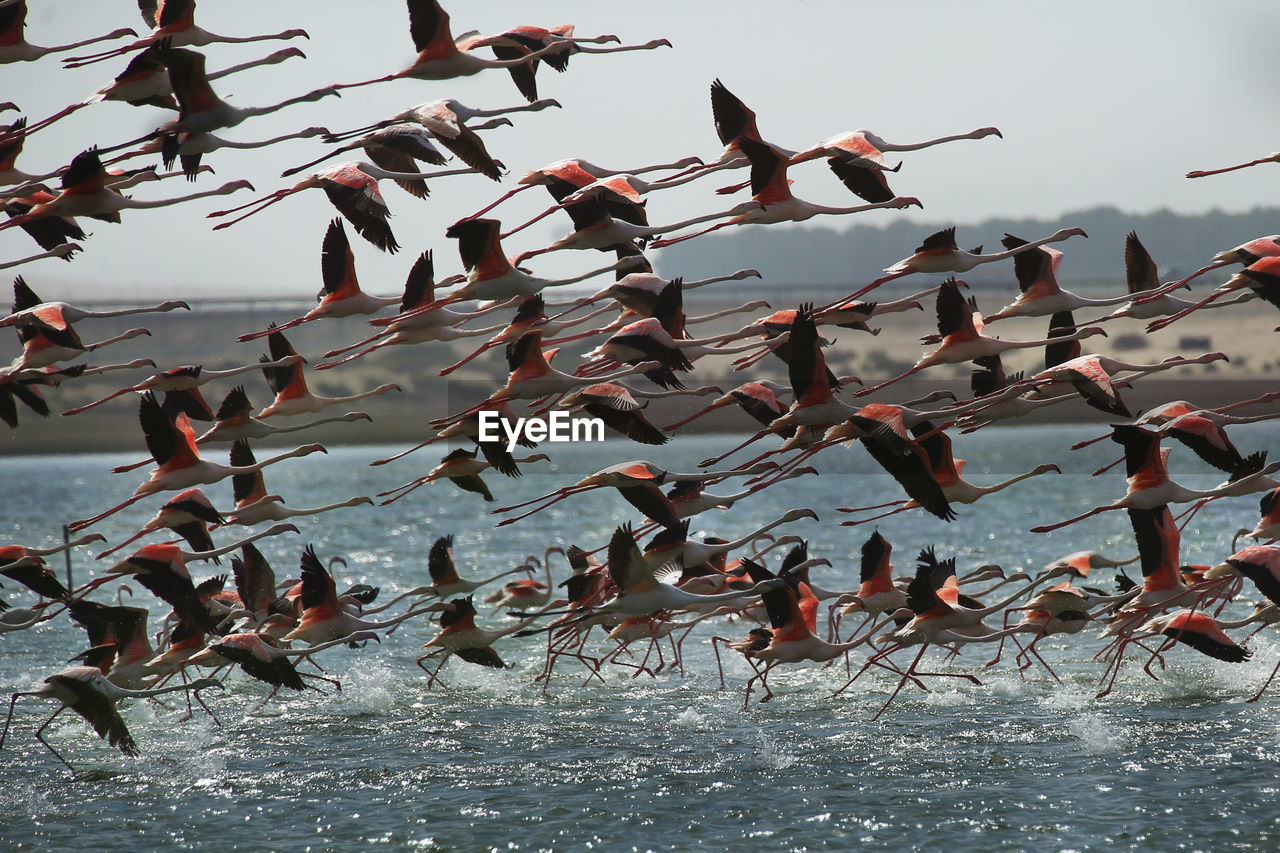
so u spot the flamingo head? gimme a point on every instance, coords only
(1068, 232)
(986, 131)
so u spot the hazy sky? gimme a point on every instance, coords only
(1099, 103)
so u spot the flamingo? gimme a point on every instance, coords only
(532, 377)
(642, 592)
(939, 253)
(446, 121)
(254, 505)
(397, 148)
(440, 55)
(962, 338)
(174, 21)
(518, 42)
(87, 691)
(774, 202)
(1142, 280)
(530, 314)
(145, 82)
(352, 188)
(44, 348)
(30, 310)
(946, 471)
(188, 514)
(525, 593)
(189, 147)
(66, 251)
(857, 158)
(460, 636)
(1204, 173)
(323, 617)
(1148, 483)
(1262, 278)
(178, 463)
(445, 581)
(564, 176)
(1268, 526)
(15, 48)
(1091, 376)
(1040, 296)
(290, 384)
(86, 191)
(792, 610)
(637, 481)
(341, 295)
(261, 657)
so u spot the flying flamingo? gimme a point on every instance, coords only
(174, 20)
(87, 691)
(564, 176)
(1142, 281)
(962, 338)
(178, 463)
(771, 192)
(939, 253)
(1148, 483)
(445, 581)
(183, 378)
(15, 48)
(66, 251)
(518, 42)
(261, 657)
(460, 636)
(188, 514)
(86, 191)
(145, 82)
(352, 188)
(341, 295)
(530, 314)
(533, 378)
(189, 147)
(857, 158)
(30, 310)
(323, 617)
(446, 121)
(397, 148)
(1262, 277)
(1204, 173)
(290, 384)
(792, 610)
(946, 471)
(440, 56)
(1040, 295)
(637, 481)
(254, 505)
(1092, 377)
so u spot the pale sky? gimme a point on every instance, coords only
(1099, 103)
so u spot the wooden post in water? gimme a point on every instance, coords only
(66, 540)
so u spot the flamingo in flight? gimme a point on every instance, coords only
(290, 384)
(254, 505)
(178, 463)
(1262, 277)
(145, 82)
(30, 310)
(564, 176)
(1040, 295)
(1148, 484)
(446, 122)
(85, 690)
(87, 190)
(174, 20)
(962, 338)
(518, 42)
(340, 295)
(1141, 278)
(352, 188)
(771, 193)
(939, 253)
(1204, 173)
(440, 55)
(15, 48)
(463, 469)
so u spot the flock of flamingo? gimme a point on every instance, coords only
(651, 583)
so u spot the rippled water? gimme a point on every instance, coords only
(493, 762)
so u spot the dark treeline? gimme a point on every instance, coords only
(826, 255)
